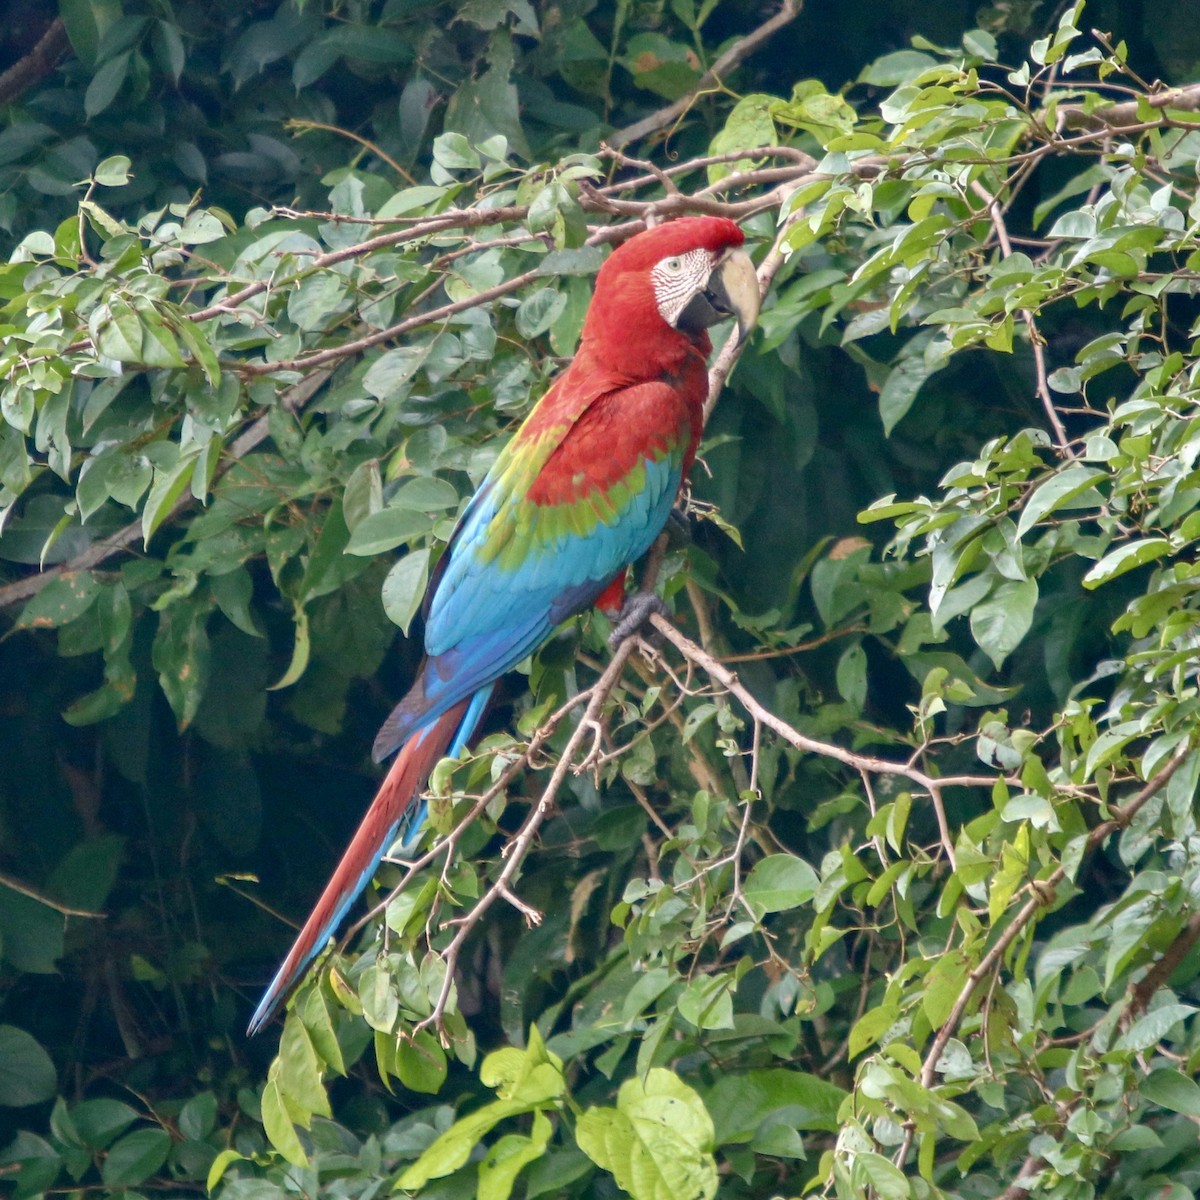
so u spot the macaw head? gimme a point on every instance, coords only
(671, 283)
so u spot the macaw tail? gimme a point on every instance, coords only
(398, 811)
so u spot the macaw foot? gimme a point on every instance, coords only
(678, 529)
(635, 612)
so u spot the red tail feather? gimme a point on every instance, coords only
(401, 786)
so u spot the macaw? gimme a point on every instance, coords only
(582, 490)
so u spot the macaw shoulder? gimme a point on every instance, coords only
(615, 435)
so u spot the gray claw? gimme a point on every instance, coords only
(635, 612)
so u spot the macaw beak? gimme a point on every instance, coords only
(733, 290)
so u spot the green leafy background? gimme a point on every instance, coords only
(768, 960)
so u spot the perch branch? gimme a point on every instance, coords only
(858, 762)
(518, 847)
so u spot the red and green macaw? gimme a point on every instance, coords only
(581, 491)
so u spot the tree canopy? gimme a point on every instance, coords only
(877, 876)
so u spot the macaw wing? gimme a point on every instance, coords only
(539, 542)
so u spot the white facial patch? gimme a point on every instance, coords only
(677, 279)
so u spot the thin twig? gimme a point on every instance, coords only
(1110, 116)
(516, 850)
(302, 125)
(25, 889)
(1036, 342)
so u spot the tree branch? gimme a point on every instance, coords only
(1113, 116)
(1140, 996)
(721, 674)
(1042, 894)
(516, 850)
(24, 589)
(25, 889)
(37, 64)
(1036, 341)
(713, 77)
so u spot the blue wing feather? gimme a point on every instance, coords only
(484, 619)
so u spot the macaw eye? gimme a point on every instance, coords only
(673, 266)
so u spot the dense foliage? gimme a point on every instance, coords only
(878, 877)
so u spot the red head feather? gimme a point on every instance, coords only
(624, 326)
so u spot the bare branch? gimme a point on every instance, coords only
(858, 762)
(25, 889)
(37, 64)
(519, 846)
(713, 77)
(1112, 116)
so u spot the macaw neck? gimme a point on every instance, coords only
(638, 352)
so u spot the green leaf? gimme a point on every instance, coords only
(64, 599)
(363, 495)
(112, 172)
(748, 125)
(169, 485)
(488, 104)
(900, 389)
(105, 85)
(1150, 1029)
(405, 586)
(121, 336)
(278, 1125)
(299, 1074)
(707, 1002)
(779, 882)
(31, 933)
(452, 151)
(198, 1117)
(135, 1158)
(870, 1027)
(539, 311)
(505, 1160)
(224, 1160)
(200, 349)
(943, 986)
(312, 303)
(301, 649)
(126, 477)
(421, 1063)
(168, 48)
(1126, 558)
(180, 655)
(425, 493)
(812, 108)
(1000, 623)
(740, 1102)
(98, 1122)
(381, 531)
(27, 1074)
(887, 1180)
(1056, 492)
(1170, 1088)
(657, 1142)
(895, 68)
(852, 676)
